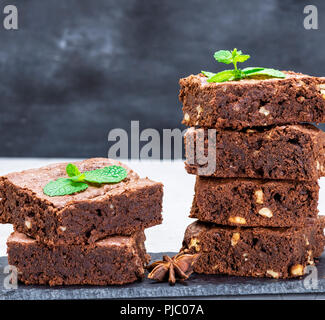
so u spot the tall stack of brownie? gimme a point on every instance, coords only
(93, 237)
(256, 200)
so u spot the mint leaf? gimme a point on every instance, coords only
(241, 58)
(72, 170)
(223, 76)
(63, 186)
(111, 174)
(268, 73)
(234, 52)
(249, 70)
(79, 178)
(208, 74)
(237, 56)
(224, 56)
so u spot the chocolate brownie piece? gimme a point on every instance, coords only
(291, 152)
(4, 217)
(255, 102)
(253, 202)
(255, 252)
(114, 260)
(102, 210)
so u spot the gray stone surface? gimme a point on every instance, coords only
(197, 286)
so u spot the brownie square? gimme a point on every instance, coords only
(254, 203)
(255, 252)
(114, 260)
(291, 152)
(102, 210)
(252, 102)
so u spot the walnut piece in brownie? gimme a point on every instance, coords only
(253, 202)
(102, 210)
(114, 260)
(252, 102)
(291, 152)
(255, 252)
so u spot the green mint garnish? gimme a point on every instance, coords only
(227, 75)
(78, 178)
(72, 170)
(78, 181)
(272, 73)
(110, 174)
(64, 186)
(228, 57)
(74, 173)
(235, 56)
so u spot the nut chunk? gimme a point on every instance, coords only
(102, 210)
(267, 203)
(114, 260)
(250, 251)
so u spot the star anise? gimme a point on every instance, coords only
(179, 267)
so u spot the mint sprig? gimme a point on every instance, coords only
(72, 170)
(235, 56)
(64, 186)
(78, 181)
(110, 174)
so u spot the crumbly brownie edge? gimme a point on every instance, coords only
(4, 215)
(131, 208)
(248, 103)
(21, 206)
(292, 152)
(96, 264)
(255, 252)
(253, 203)
(126, 210)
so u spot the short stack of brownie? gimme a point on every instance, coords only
(93, 237)
(257, 207)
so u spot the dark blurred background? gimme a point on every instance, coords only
(76, 69)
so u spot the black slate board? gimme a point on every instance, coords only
(196, 286)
